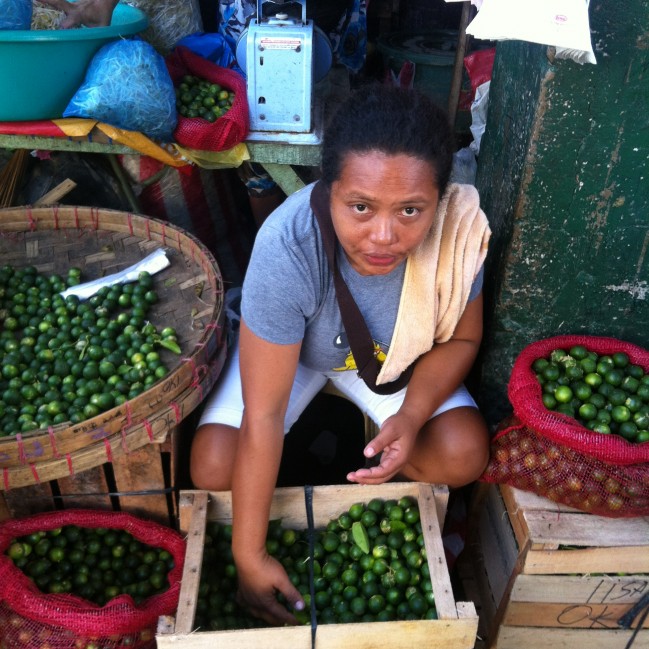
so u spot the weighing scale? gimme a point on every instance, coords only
(283, 56)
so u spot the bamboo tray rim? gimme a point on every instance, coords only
(26, 448)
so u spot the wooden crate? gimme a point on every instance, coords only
(455, 628)
(553, 577)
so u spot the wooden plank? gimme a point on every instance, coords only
(632, 560)
(292, 637)
(516, 517)
(56, 194)
(432, 634)
(497, 544)
(519, 499)
(581, 589)
(33, 499)
(583, 616)
(303, 155)
(4, 508)
(439, 574)
(476, 588)
(284, 175)
(533, 638)
(585, 529)
(193, 562)
(87, 489)
(137, 471)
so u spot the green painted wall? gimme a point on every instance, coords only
(564, 178)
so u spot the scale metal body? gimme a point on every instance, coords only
(283, 57)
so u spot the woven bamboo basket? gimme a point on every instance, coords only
(152, 429)
(102, 242)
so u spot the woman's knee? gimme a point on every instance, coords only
(456, 447)
(212, 457)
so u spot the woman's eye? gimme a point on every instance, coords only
(360, 208)
(410, 211)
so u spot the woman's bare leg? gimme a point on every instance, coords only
(451, 449)
(212, 456)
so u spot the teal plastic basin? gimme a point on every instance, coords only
(40, 70)
(433, 54)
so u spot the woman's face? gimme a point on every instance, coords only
(382, 207)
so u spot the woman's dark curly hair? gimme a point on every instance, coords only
(392, 121)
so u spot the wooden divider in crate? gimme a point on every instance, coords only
(457, 624)
(551, 577)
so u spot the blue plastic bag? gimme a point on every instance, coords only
(16, 14)
(127, 85)
(213, 47)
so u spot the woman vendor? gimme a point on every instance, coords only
(410, 248)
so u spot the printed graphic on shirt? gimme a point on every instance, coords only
(340, 342)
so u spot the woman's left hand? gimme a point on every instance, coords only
(394, 442)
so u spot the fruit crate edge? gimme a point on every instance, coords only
(456, 627)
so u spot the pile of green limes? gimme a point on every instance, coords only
(605, 393)
(196, 97)
(67, 360)
(96, 564)
(369, 565)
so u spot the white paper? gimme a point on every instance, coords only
(562, 23)
(152, 264)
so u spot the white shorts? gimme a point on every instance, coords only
(224, 405)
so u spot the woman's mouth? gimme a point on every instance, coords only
(380, 260)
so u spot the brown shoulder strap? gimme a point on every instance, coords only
(360, 339)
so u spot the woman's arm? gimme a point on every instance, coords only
(267, 374)
(436, 376)
(91, 13)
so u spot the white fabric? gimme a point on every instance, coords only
(225, 404)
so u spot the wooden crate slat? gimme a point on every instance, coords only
(586, 560)
(531, 638)
(75, 489)
(30, 500)
(439, 574)
(142, 470)
(598, 589)
(193, 561)
(294, 637)
(574, 616)
(5, 514)
(585, 529)
(432, 634)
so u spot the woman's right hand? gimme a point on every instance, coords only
(259, 584)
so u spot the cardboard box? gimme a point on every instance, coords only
(455, 629)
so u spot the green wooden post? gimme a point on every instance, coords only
(564, 178)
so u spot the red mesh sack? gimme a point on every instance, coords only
(553, 455)
(31, 619)
(229, 129)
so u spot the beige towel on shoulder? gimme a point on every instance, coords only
(438, 279)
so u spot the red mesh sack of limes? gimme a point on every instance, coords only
(579, 433)
(224, 129)
(85, 579)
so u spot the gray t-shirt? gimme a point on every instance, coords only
(288, 292)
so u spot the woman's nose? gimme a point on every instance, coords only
(382, 230)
